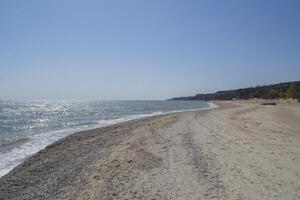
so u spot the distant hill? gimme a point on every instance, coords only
(275, 91)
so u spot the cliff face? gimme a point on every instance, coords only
(281, 90)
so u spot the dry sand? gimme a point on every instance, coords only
(238, 151)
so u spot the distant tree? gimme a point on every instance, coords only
(291, 93)
(297, 92)
(272, 94)
(282, 95)
(263, 93)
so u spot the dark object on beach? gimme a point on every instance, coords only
(269, 103)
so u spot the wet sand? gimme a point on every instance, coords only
(240, 150)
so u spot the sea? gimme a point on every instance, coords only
(29, 126)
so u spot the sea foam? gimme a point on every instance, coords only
(15, 150)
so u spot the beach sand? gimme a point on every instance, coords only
(240, 150)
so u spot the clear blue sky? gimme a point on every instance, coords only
(135, 49)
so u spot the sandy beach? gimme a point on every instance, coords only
(240, 150)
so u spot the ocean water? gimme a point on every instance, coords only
(29, 126)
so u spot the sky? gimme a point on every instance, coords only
(138, 49)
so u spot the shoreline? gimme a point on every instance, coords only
(60, 134)
(239, 150)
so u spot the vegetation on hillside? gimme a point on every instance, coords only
(288, 90)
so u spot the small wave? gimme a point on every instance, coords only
(78, 124)
(29, 127)
(212, 105)
(18, 139)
